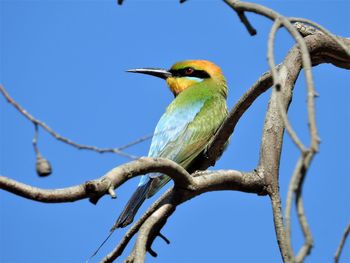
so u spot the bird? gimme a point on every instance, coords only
(185, 129)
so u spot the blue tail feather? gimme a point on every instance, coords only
(131, 208)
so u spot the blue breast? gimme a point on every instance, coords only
(169, 128)
(171, 125)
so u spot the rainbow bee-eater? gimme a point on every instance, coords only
(186, 127)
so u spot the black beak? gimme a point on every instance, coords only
(157, 72)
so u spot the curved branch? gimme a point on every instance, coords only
(278, 84)
(250, 182)
(118, 250)
(295, 187)
(149, 230)
(120, 174)
(214, 181)
(283, 234)
(95, 189)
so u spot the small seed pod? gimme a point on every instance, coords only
(43, 166)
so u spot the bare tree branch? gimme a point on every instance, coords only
(342, 243)
(149, 230)
(317, 28)
(314, 46)
(58, 137)
(284, 244)
(250, 182)
(305, 250)
(95, 189)
(69, 194)
(115, 253)
(277, 84)
(295, 187)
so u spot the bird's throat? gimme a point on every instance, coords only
(177, 85)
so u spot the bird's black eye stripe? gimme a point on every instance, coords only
(189, 72)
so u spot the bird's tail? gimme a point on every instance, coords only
(131, 208)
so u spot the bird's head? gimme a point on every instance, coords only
(185, 74)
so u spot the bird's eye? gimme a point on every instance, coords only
(189, 71)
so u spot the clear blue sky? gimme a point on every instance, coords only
(65, 62)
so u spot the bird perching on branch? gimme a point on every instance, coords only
(186, 127)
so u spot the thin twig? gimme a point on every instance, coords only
(42, 166)
(341, 243)
(243, 18)
(270, 53)
(295, 188)
(278, 84)
(137, 141)
(293, 184)
(279, 229)
(300, 177)
(311, 94)
(35, 140)
(305, 250)
(59, 137)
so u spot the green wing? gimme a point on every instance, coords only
(193, 139)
